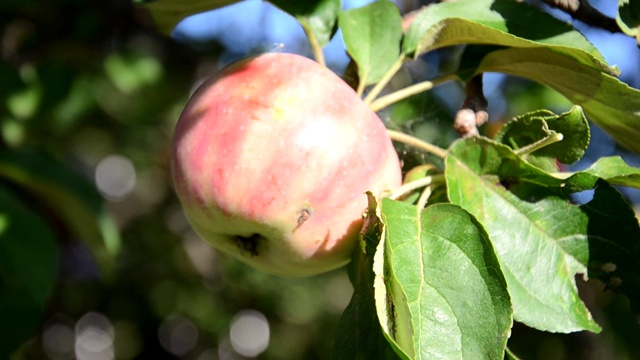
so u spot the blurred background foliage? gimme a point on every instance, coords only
(96, 258)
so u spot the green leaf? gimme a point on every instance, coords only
(497, 161)
(607, 101)
(389, 304)
(629, 18)
(527, 226)
(614, 242)
(498, 22)
(611, 169)
(501, 161)
(509, 355)
(359, 334)
(526, 129)
(28, 263)
(74, 201)
(448, 296)
(317, 17)
(372, 37)
(166, 14)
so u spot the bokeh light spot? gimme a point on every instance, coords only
(94, 337)
(58, 338)
(249, 333)
(115, 177)
(178, 335)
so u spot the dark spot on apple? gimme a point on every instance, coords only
(303, 216)
(249, 243)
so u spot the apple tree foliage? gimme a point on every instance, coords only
(484, 233)
(489, 234)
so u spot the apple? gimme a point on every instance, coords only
(271, 160)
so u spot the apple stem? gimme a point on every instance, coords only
(316, 48)
(384, 101)
(375, 91)
(546, 141)
(417, 143)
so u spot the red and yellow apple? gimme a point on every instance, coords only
(271, 161)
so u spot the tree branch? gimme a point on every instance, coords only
(473, 111)
(583, 11)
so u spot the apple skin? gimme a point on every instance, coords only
(271, 160)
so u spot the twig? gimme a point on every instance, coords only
(551, 139)
(417, 143)
(316, 48)
(410, 186)
(384, 101)
(375, 91)
(423, 199)
(583, 11)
